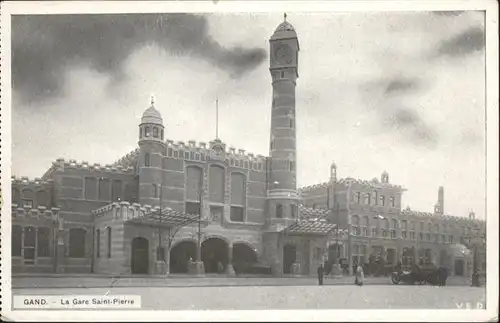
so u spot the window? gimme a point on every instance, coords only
(42, 198)
(403, 234)
(365, 231)
(155, 132)
(147, 132)
(29, 245)
(16, 196)
(169, 152)
(236, 213)
(98, 243)
(17, 233)
(355, 225)
(186, 155)
(375, 197)
(176, 154)
(368, 199)
(43, 242)
(393, 201)
(77, 243)
(282, 74)
(155, 190)
(108, 230)
(292, 166)
(116, 190)
(147, 160)
(192, 208)
(104, 189)
(191, 155)
(393, 234)
(358, 197)
(420, 236)
(443, 238)
(216, 184)
(160, 254)
(374, 232)
(279, 211)
(294, 210)
(382, 200)
(412, 235)
(140, 133)
(161, 134)
(246, 164)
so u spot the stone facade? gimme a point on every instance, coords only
(371, 212)
(92, 218)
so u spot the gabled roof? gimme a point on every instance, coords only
(307, 213)
(318, 227)
(167, 217)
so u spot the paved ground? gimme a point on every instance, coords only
(287, 297)
(86, 281)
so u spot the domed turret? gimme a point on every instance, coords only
(385, 177)
(284, 30)
(151, 127)
(152, 115)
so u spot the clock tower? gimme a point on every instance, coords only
(282, 199)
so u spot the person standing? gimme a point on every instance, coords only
(360, 276)
(321, 272)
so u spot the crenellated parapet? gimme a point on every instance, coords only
(374, 183)
(445, 217)
(312, 188)
(25, 181)
(216, 150)
(39, 213)
(63, 164)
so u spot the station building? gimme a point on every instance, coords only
(145, 209)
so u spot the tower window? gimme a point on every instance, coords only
(282, 74)
(161, 134)
(294, 211)
(279, 211)
(155, 132)
(140, 132)
(147, 132)
(147, 160)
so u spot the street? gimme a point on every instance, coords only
(288, 297)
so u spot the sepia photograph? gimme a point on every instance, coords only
(235, 157)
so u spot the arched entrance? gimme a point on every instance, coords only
(180, 254)
(213, 251)
(244, 257)
(140, 256)
(407, 256)
(459, 267)
(289, 257)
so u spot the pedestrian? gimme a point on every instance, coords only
(360, 276)
(445, 275)
(321, 272)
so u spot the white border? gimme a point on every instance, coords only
(49, 7)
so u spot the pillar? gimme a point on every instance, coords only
(60, 254)
(167, 259)
(229, 267)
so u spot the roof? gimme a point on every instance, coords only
(167, 217)
(307, 213)
(284, 30)
(151, 115)
(311, 221)
(318, 227)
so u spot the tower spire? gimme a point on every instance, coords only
(152, 101)
(284, 16)
(217, 117)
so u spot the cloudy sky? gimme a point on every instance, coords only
(402, 92)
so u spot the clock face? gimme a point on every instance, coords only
(283, 54)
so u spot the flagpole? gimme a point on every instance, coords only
(217, 118)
